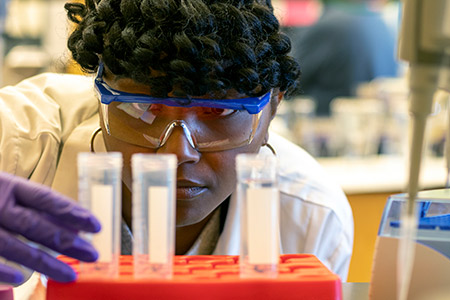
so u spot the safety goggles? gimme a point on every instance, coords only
(208, 124)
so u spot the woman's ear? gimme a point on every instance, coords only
(280, 97)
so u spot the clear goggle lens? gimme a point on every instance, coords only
(206, 128)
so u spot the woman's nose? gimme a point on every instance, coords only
(177, 143)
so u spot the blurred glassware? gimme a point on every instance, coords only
(296, 121)
(393, 92)
(359, 125)
(302, 125)
(282, 122)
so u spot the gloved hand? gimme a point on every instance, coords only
(45, 217)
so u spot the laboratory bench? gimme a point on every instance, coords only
(381, 174)
(368, 182)
(355, 290)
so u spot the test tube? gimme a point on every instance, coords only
(258, 198)
(154, 203)
(100, 191)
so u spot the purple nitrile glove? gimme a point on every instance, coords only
(45, 217)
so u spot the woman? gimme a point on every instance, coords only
(200, 79)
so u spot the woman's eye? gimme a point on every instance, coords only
(217, 112)
(154, 107)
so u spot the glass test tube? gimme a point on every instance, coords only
(100, 191)
(154, 203)
(258, 198)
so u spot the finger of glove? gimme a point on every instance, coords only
(42, 198)
(17, 251)
(35, 227)
(10, 275)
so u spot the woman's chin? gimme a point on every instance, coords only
(186, 216)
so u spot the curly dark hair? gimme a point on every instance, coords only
(199, 46)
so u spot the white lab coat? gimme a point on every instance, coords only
(47, 119)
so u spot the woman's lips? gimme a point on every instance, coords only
(187, 190)
(187, 193)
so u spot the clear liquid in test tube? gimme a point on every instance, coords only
(100, 191)
(154, 204)
(258, 198)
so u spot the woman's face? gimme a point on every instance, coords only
(204, 179)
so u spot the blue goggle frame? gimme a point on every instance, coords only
(252, 105)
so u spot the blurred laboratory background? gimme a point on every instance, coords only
(351, 111)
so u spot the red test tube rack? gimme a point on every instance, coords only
(300, 276)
